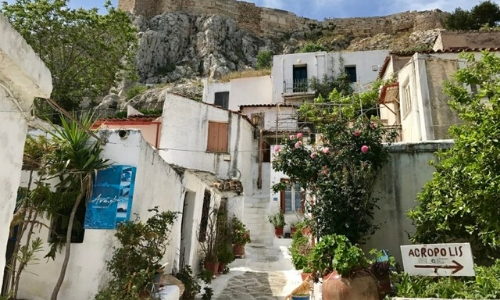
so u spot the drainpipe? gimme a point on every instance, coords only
(261, 158)
(157, 134)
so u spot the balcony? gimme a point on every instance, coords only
(297, 89)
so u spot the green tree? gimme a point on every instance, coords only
(76, 160)
(484, 13)
(461, 202)
(265, 59)
(339, 170)
(84, 50)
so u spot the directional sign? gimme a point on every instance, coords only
(438, 259)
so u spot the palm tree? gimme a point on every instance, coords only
(76, 160)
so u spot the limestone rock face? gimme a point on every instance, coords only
(179, 45)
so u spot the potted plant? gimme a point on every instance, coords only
(278, 221)
(344, 270)
(136, 264)
(293, 228)
(208, 243)
(300, 251)
(241, 236)
(224, 240)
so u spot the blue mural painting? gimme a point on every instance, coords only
(111, 200)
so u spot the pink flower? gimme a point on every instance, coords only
(277, 148)
(364, 148)
(363, 164)
(357, 133)
(299, 135)
(324, 172)
(372, 125)
(326, 150)
(292, 137)
(298, 144)
(313, 155)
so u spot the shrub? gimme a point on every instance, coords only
(312, 47)
(135, 90)
(265, 59)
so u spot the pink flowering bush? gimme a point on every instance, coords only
(339, 173)
(241, 235)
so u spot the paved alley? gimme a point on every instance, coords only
(266, 273)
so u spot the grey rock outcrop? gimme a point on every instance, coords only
(180, 45)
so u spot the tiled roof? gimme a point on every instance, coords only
(137, 118)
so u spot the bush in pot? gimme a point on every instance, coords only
(136, 262)
(300, 251)
(209, 242)
(343, 267)
(278, 221)
(225, 238)
(240, 236)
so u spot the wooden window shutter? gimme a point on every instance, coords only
(217, 137)
(223, 137)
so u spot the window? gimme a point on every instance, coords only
(266, 152)
(222, 99)
(217, 137)
(202, 235)
(351, 73)
(59, 224)
(292, 199)
(300, 79)
(406, 100)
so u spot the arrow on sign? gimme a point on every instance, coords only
(456, 267)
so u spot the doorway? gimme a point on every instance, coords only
(187, 228)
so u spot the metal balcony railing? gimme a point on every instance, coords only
(291, 86)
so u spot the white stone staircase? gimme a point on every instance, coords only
(255, 218)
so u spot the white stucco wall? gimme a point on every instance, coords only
(184, 139)
(276, 117)
(157, 184)
(397, 187)
(242, 91)
(318, 63)
(23, 76)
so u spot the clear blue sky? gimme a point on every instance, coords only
(320, 9)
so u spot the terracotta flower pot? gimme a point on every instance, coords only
(212, 267)
(384, 286)
(304, 275)
(361, 287)
(238, 251)
(220, 269)
(278, 232)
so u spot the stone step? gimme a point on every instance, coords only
(263, 205)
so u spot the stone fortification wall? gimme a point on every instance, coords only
(267, 21)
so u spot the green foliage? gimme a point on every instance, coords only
(265, 59)
(326, 85)
(335, 252)
(300, 251)
(336, 99)
(240, 234)
(278, 219)
(137, 260)
(486, 285)
(207, 294)
(191, 285)
(460, 202)
(136, 90)
(312, 47)
(83, 49)
(225, 237)
(339, 171)
(484, 13)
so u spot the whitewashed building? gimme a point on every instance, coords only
(23, 76)
(415, 103)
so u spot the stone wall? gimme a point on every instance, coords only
(267, 21)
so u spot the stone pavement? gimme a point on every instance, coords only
(265, 273)
(254, 285)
